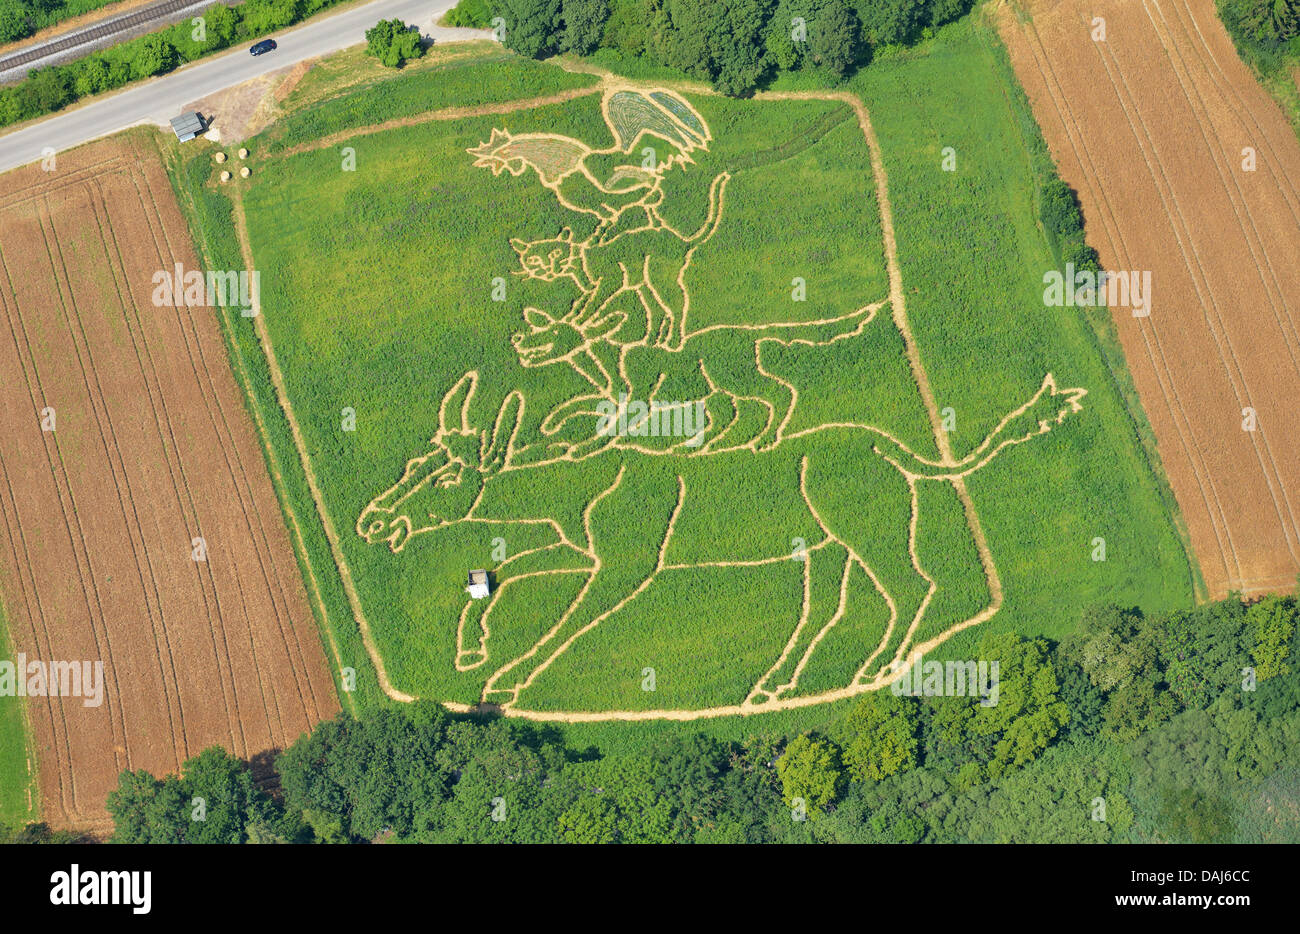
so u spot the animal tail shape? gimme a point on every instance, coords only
(1047, 408)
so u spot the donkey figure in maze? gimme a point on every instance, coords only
(614, 501)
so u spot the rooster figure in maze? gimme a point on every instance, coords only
(633, 260)
(623, 196)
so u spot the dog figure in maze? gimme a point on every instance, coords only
(719, 366)
(664, 362)
(844, 476)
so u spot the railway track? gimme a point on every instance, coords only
(107, 29)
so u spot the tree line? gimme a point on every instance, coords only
(736, 45)
(20, 18)
(1267, 36)
(1265, 24)
(1170, 727)
(1173, 727)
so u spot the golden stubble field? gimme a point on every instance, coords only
(1154, 125)
(152, 448)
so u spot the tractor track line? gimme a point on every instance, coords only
(1196, 266)
(54, 462)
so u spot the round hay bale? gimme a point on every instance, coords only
(243, 153)
(220, 157)
(225, 176)
(245, 172)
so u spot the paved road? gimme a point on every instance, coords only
(97, 35)
(159, 99)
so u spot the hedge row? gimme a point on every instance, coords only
(738, 45)
(20, 18)
(1266, 32)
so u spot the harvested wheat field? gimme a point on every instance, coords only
(1150, 124)
(152, 448)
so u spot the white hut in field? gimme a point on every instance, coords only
(478, 585)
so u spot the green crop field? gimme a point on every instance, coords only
(17, 784)
(471, 312)
(487, 77)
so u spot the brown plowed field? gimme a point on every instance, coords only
(1149, 126)
(153, 447)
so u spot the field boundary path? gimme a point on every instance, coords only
(277, 477)
(282, 395)
(752, 704)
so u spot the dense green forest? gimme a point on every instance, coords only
(1263, 27)
(737, 45)
(1267, 36)
(1130, 729)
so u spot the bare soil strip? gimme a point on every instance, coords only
(152, 448)
(1151, 126)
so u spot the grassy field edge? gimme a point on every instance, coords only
(17, 781)
(1104, 332)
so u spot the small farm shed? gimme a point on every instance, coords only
(478, 584)
(187, 126)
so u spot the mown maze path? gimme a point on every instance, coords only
(576, 550)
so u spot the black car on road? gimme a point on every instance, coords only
(261, 48)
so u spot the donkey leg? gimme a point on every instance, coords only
(775, 394)
(824, 591)
(629, 525)
(661, 323)
(664, 280)
(870, 508)
(474, 629)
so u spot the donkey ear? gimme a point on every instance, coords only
(503, 432)
(537, 319)
(520, 246)
(453, 414)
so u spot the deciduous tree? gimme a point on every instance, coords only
(393, 42)
(810, 771)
